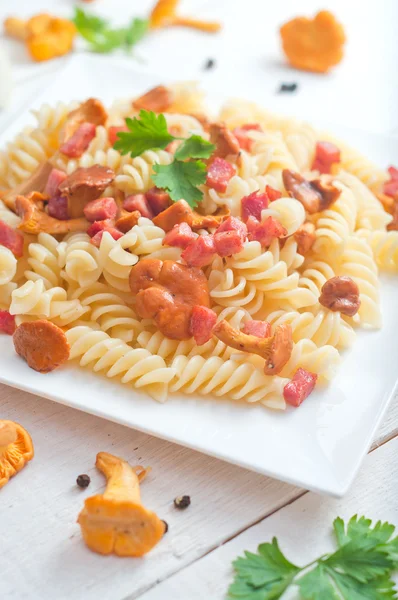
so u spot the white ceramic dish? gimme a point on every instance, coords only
(319, 446)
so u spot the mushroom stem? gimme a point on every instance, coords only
(276, 350)
(8, 434)
(123, 481)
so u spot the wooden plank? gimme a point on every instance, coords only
(303, 529)
(42, 504)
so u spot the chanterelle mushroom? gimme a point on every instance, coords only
(315, 195)
(16, 449)
(116, 521)
(276, 350)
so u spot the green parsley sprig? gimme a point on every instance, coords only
(360, 569)
(102, 38)
(180, 178)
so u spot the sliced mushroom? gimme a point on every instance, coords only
(315, 195)
(90, 111)
(36, 221)
(159, 100)
(224, 140)
(36, 183)
(276, 350)
(83, 186)
(116, 521)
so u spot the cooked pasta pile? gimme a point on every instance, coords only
(85, 289)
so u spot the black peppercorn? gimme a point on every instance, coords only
(287, 87)
(166, 526)
(182, 502)
(209, 64)
(83, 481)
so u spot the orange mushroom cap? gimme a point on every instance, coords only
(116, 521)
(16, 449)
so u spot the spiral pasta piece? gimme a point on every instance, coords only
(370, 214)
(109, 310)
(323, 361)
(323, 327)
(384, 245)
(335, 224)
(6, 215)
(289, 212)
(34, 300)
(358, 263)
(8, 265)
(79, 259)
(227, 378)
(137, 176)
(43, 261)
(116, 359)
(116, 262)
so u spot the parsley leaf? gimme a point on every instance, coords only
(360, 561)
(316, 585)
(360, 569)
(102, 38)
(146, 133)
(195, 147)
(180, 180)
(351, 589)
(361, 528)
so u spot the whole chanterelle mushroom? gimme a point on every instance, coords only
(116, 521)
(16, 449)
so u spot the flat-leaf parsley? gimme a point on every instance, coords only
(360, 569)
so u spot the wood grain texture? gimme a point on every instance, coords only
(41, 504)
(303, 530)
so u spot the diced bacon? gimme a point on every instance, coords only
(180, 236)
(54, 180)
(241, 135)
(228, 243)
(7, 322)
(300, 387)
(390, 187)
(100, 209)
(202, 322)
(272, 193)
(265, 231)
(326, 154)
(261, 329)
(253, 204)
(99, 226)
(219, 173)
(140, 203)
(11, 239)
(58, 207)
(113, 131)
(158, 200)
(233, 224)
(115, 233)
(200, 252)
(80, 141)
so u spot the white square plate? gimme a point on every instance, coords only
(319, 446)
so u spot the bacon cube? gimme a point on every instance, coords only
(180, 236)
(219, 173)
(100, 209)
(300, 387)
(265, 231)
(261, 329)
(202, 322)
(11, 239)
(7, 322)
(158, 200)
(140, 203)
(80, 141)
(241, 135)
(200, 252)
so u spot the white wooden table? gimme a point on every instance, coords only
(41, 551)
